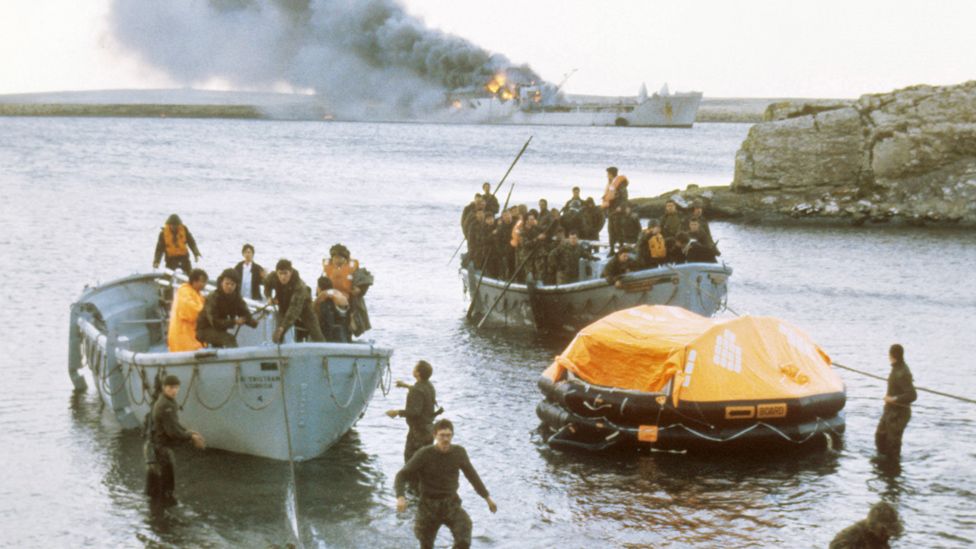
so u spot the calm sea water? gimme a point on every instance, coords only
(82, 201)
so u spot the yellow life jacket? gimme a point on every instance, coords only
(656, 245)
(175, 247)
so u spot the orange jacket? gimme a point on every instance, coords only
(341, 277)
(175, 247)
(187, 305)
(516, 234)
(611, 192)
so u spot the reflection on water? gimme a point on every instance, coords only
(83, 200)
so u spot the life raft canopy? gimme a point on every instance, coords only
(709, 360)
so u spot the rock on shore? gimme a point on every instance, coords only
(908, 156)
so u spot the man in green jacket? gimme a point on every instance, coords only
(166, 433)
(898, 400)
(285, 289)
(421, 402)
(437, 467)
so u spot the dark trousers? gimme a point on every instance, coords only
(179, 262)
(417, 439)
(434, 513)
(160, 477)
(887, 437)
(216, 338)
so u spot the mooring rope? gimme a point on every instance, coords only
(291, 454)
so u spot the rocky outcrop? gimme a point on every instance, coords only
(905, 156)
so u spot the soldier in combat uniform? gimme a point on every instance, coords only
(421, 401)
(871, 533)
(165, 433)
(898, 405)
(437, 467)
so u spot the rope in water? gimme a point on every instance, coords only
(875, 376)
(291, 453)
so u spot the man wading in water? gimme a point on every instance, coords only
(898, 405)
(437, 466)
(165, 433)
(421, 401)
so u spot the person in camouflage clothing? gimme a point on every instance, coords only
(294, 299)
(565, 258)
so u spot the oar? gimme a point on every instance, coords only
(507, 284)
(458, 249)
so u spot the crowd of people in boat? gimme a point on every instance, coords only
(546, 244)
(336, 313)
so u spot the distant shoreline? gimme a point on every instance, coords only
(266, 106)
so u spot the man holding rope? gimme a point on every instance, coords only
(897, 410)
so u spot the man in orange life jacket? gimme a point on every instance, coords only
(175, 242)
(614, 202)
(340, 269)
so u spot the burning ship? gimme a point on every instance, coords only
(506, 100)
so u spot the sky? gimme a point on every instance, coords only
(744, 48)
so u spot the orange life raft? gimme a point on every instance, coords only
(667, 378)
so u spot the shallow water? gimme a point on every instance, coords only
(82, 200)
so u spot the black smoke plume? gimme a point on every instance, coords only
(363, 57)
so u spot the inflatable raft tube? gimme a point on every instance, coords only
(628, 407)
(573, 431)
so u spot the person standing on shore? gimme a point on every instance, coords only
(175, 242)
(419, 412)
(437, 467)
(897, 409)
(165, 433)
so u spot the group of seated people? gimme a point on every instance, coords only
(545, 245)
(335, 314)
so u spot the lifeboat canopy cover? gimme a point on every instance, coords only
(709, 359)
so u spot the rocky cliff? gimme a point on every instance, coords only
(905, 156)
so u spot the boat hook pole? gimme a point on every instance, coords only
(519, 155)
(512, 279)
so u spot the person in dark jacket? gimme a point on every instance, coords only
(420, 410)
(166, 433)
(692, 251)
(671, 221)
(697, 214)
(438, 466)
(491, 203)
(898, 405)
(224, 309)
(873, 532)
(565, 258)
(175, 242)
(621, 264)
(594, 219)
(250, 274)
(284, 288)
(332, 308)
